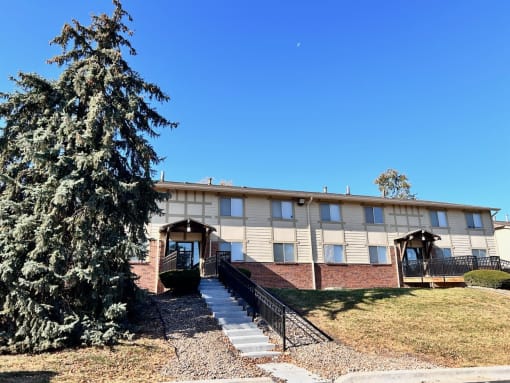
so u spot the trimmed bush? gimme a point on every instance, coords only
(246, 272)
(181, 281)
(488, 278)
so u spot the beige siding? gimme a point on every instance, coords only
(284, 234)
(258, 231)
(304, 253)
(356, 250)
(333, 236)
(377, 238)
(503, 242)
(461, 245)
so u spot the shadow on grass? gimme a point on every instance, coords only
(27, 376)
(334, 302)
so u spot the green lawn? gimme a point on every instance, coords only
(453, 327)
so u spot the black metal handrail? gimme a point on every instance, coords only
(454, 266)
(505, 265)
(285, 321)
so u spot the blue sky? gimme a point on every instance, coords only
(301, 94)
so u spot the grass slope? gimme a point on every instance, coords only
(456, 327)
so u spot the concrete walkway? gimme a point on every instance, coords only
(291, 373)
(437, 375)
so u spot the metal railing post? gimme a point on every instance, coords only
(284, 330)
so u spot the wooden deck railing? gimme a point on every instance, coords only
(177, 260)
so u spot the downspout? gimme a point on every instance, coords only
(314, 282)
(399, 250)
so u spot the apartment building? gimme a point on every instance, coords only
(311, 240)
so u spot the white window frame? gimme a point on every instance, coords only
(235, 207)
(235, 248)
(282, 209)
(288, 255)
(334, 253)
(439, 217)
(474, 221)
(371, 216)
(378, 250)
(330, 212)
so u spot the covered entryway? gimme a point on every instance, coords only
(415, 249)
(186, 245)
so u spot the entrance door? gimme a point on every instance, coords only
(413, 262)
(184, 255)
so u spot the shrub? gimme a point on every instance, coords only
(245, 272)
(488, 278)
(181, 281)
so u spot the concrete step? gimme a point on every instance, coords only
(232, 320)
(243, 339)
(254, 347)
(240, 326)
(226, 309)
(233, 311)
(241, 316)
(221, 300)
(233, 333)
(260, 354)
(232, 307)
(235, 321)
(216, 294)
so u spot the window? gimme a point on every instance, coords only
(330, 212)
(414, 254)
(438, 218)
(282, 209)
(334, 254)
(373, 214)
(283, 252)
(377, 254)
(479, 252)
(235, 248)
(443, 252)
(231, 207)
(474, 220)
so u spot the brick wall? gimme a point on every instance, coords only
(148, 272)
(357, 275)
(326, 276)
(296, 275)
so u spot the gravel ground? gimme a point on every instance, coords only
(204, 352)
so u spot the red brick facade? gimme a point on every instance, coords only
(357, 276)
(295, 275)
(148, 271)
(299, 276)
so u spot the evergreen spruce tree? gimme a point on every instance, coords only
(75, 191)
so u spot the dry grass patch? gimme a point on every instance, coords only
(136, 361)
(455, 327)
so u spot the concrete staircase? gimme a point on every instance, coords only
(237, 325)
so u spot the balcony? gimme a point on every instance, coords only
(449, 270)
